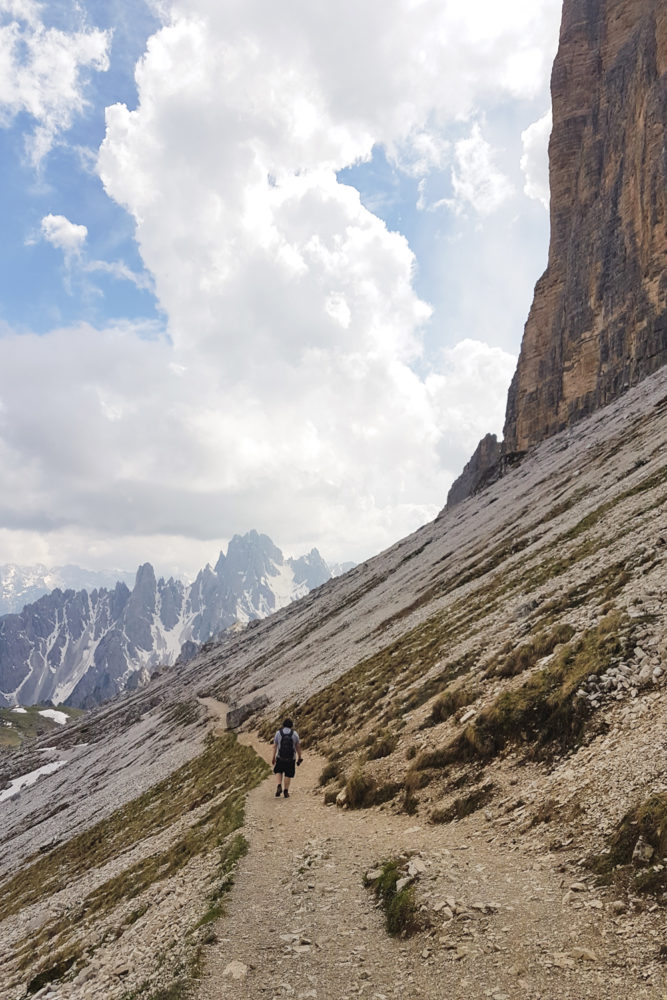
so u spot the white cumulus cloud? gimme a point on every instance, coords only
(535, 159)
(476, 180)
(290, 390)
(70, 237)
(43, 72)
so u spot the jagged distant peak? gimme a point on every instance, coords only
(85, 647)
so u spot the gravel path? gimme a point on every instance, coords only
(301, 924)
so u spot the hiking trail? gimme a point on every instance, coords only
(300, 923)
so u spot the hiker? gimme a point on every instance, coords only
(286, 750)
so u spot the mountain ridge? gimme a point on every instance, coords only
(21, 584)
(80, 647)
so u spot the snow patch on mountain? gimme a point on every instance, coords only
(21, 585)
(25, 780)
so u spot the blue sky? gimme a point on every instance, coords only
(266, 267)
(66, 184)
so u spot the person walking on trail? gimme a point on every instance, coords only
(286, 756)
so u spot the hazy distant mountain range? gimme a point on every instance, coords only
(82, 646)
(21, 585)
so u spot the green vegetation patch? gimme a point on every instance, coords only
(400, 908)
(422, 664)
(207, 833)
(16, 727)
(513, 660)
(224, 768)
(544, 709)
(230, 854)
(367, 690)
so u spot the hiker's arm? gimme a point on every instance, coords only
(275, 750)
(298, 750)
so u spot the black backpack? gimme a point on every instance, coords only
(286, 748)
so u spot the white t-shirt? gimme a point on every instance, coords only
(278, 736)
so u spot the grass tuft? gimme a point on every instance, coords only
(647, 820)
(513, 660)
(329, 772)
(449, 702)
(363, 791)
(382, 746)
(464, 805)
(400, 908)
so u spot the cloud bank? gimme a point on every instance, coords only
(289, 389)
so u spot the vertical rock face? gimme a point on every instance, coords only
(485, 457)
(598, 323)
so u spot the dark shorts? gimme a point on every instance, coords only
(286, 767)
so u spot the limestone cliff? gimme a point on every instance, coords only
(598, 323)
(485, 458)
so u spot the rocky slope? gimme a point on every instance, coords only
(598, 323)
(84, 647)
(507, 659)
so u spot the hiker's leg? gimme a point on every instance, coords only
(287, 781)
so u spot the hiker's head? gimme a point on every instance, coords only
(287, 724)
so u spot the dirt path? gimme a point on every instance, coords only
(301, 924)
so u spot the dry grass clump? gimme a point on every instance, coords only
(329, 772)
(513, 660)
(383, 745)
(464, 805)
(449, 702)
(544, 710)
(362, 791)
(647, 820)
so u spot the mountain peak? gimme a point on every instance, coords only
(89, 647)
